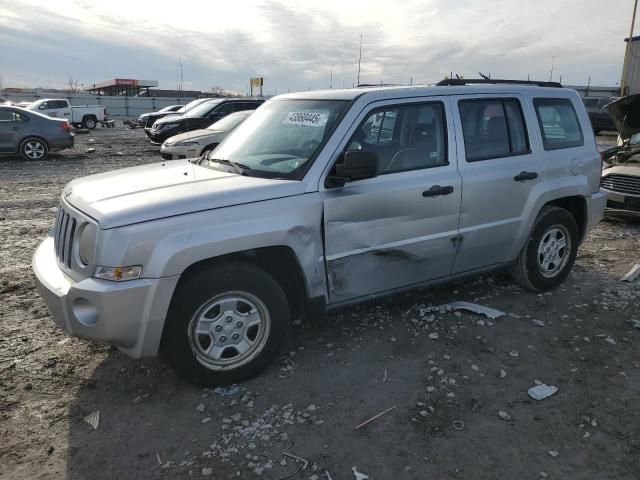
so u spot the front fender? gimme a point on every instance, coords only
(168, 246)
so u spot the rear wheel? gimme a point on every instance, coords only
(34, 149)
(89, 122)
(550, 251)
(225, 324)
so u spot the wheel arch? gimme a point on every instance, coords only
(279, 261)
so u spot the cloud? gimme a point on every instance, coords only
(294, 44)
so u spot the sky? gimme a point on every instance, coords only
(298, 45)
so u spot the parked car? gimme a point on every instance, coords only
(142, 119)
(621, 172)
(199, 117)
(86, 116)
(601, 120)
(305, 208)
(152, 117)
(32, 134)
(198, 142)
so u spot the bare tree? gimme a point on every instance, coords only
(218, 91)
(73, 84)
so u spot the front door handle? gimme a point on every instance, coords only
(15, 129)
(524, 176)
(437, 190)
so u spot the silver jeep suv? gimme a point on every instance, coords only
(320, 200)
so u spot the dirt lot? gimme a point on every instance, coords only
(448, 375)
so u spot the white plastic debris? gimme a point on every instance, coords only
(488, 312)
(358, 475)
(537, 323)
(542, 391)
(504, 416)
(93, 419)
(632, 274)
(635, 323)
(228, 391)
(90, 150)
(553, 453)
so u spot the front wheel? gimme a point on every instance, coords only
(225, 324)
(550, 251)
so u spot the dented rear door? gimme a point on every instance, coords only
(391, 231)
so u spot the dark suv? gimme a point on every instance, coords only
(199, 117)
(600, 118)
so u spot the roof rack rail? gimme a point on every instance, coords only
(468, 81)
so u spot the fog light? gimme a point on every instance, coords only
(118, 274)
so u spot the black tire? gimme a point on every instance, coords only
(527, 269)
(191, 302)
(90, 122)
(34, 148)
(208, 148)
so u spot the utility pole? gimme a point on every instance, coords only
(553, 61)
(359, 59)
(627, 50)
(181, 79)
(588, 85)
(331, 77)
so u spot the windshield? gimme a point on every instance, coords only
(281, 136)
(202, 109)
(170, 108)
(229, 122)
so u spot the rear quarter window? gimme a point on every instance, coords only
(559, 123)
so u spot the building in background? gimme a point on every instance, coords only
(631, 79)
(128, 87)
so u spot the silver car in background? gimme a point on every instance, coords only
(198, 142)
(32, 134)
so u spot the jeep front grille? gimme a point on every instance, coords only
(621, 183)
(64, 232)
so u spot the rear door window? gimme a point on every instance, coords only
(558, 123)
(493, 128)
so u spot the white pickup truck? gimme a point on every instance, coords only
(86, 116)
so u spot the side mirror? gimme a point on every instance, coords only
(42, 107)
(357, 165)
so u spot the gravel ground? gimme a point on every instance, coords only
(448, 375)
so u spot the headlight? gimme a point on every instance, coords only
(86, 243)
(185, 144)
(118, 274)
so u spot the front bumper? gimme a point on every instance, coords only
(177, 153)
(623, 203)
(158, 137)
(129, 315)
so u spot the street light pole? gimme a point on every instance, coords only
(359, 59)
(331, 78)
(627, 51)
(553, 60)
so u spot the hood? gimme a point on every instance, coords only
(195, 135)
(170, 118)
(149, 192)
(625, 113)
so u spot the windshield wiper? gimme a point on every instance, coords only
(238, 167)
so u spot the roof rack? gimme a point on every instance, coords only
(465, 81)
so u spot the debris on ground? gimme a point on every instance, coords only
(553, 453)
(537, 323)
(207, 471)
(542, 391)
(303, 465)
(504, 416)
(93, 419)
(358, 475)
(384, 412)
(90, 150)
(488, 312)
(632, 274)
(635, 323)
(228, 391)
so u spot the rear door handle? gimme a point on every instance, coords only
(524, 176)
(437, 190)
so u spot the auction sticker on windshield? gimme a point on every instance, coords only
(307, 119)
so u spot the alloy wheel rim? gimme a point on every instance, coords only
(34, 150)
(229, 330)
(90, 123)
(554, 251)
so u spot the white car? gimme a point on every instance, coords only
(86, 116)
(198, 142)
